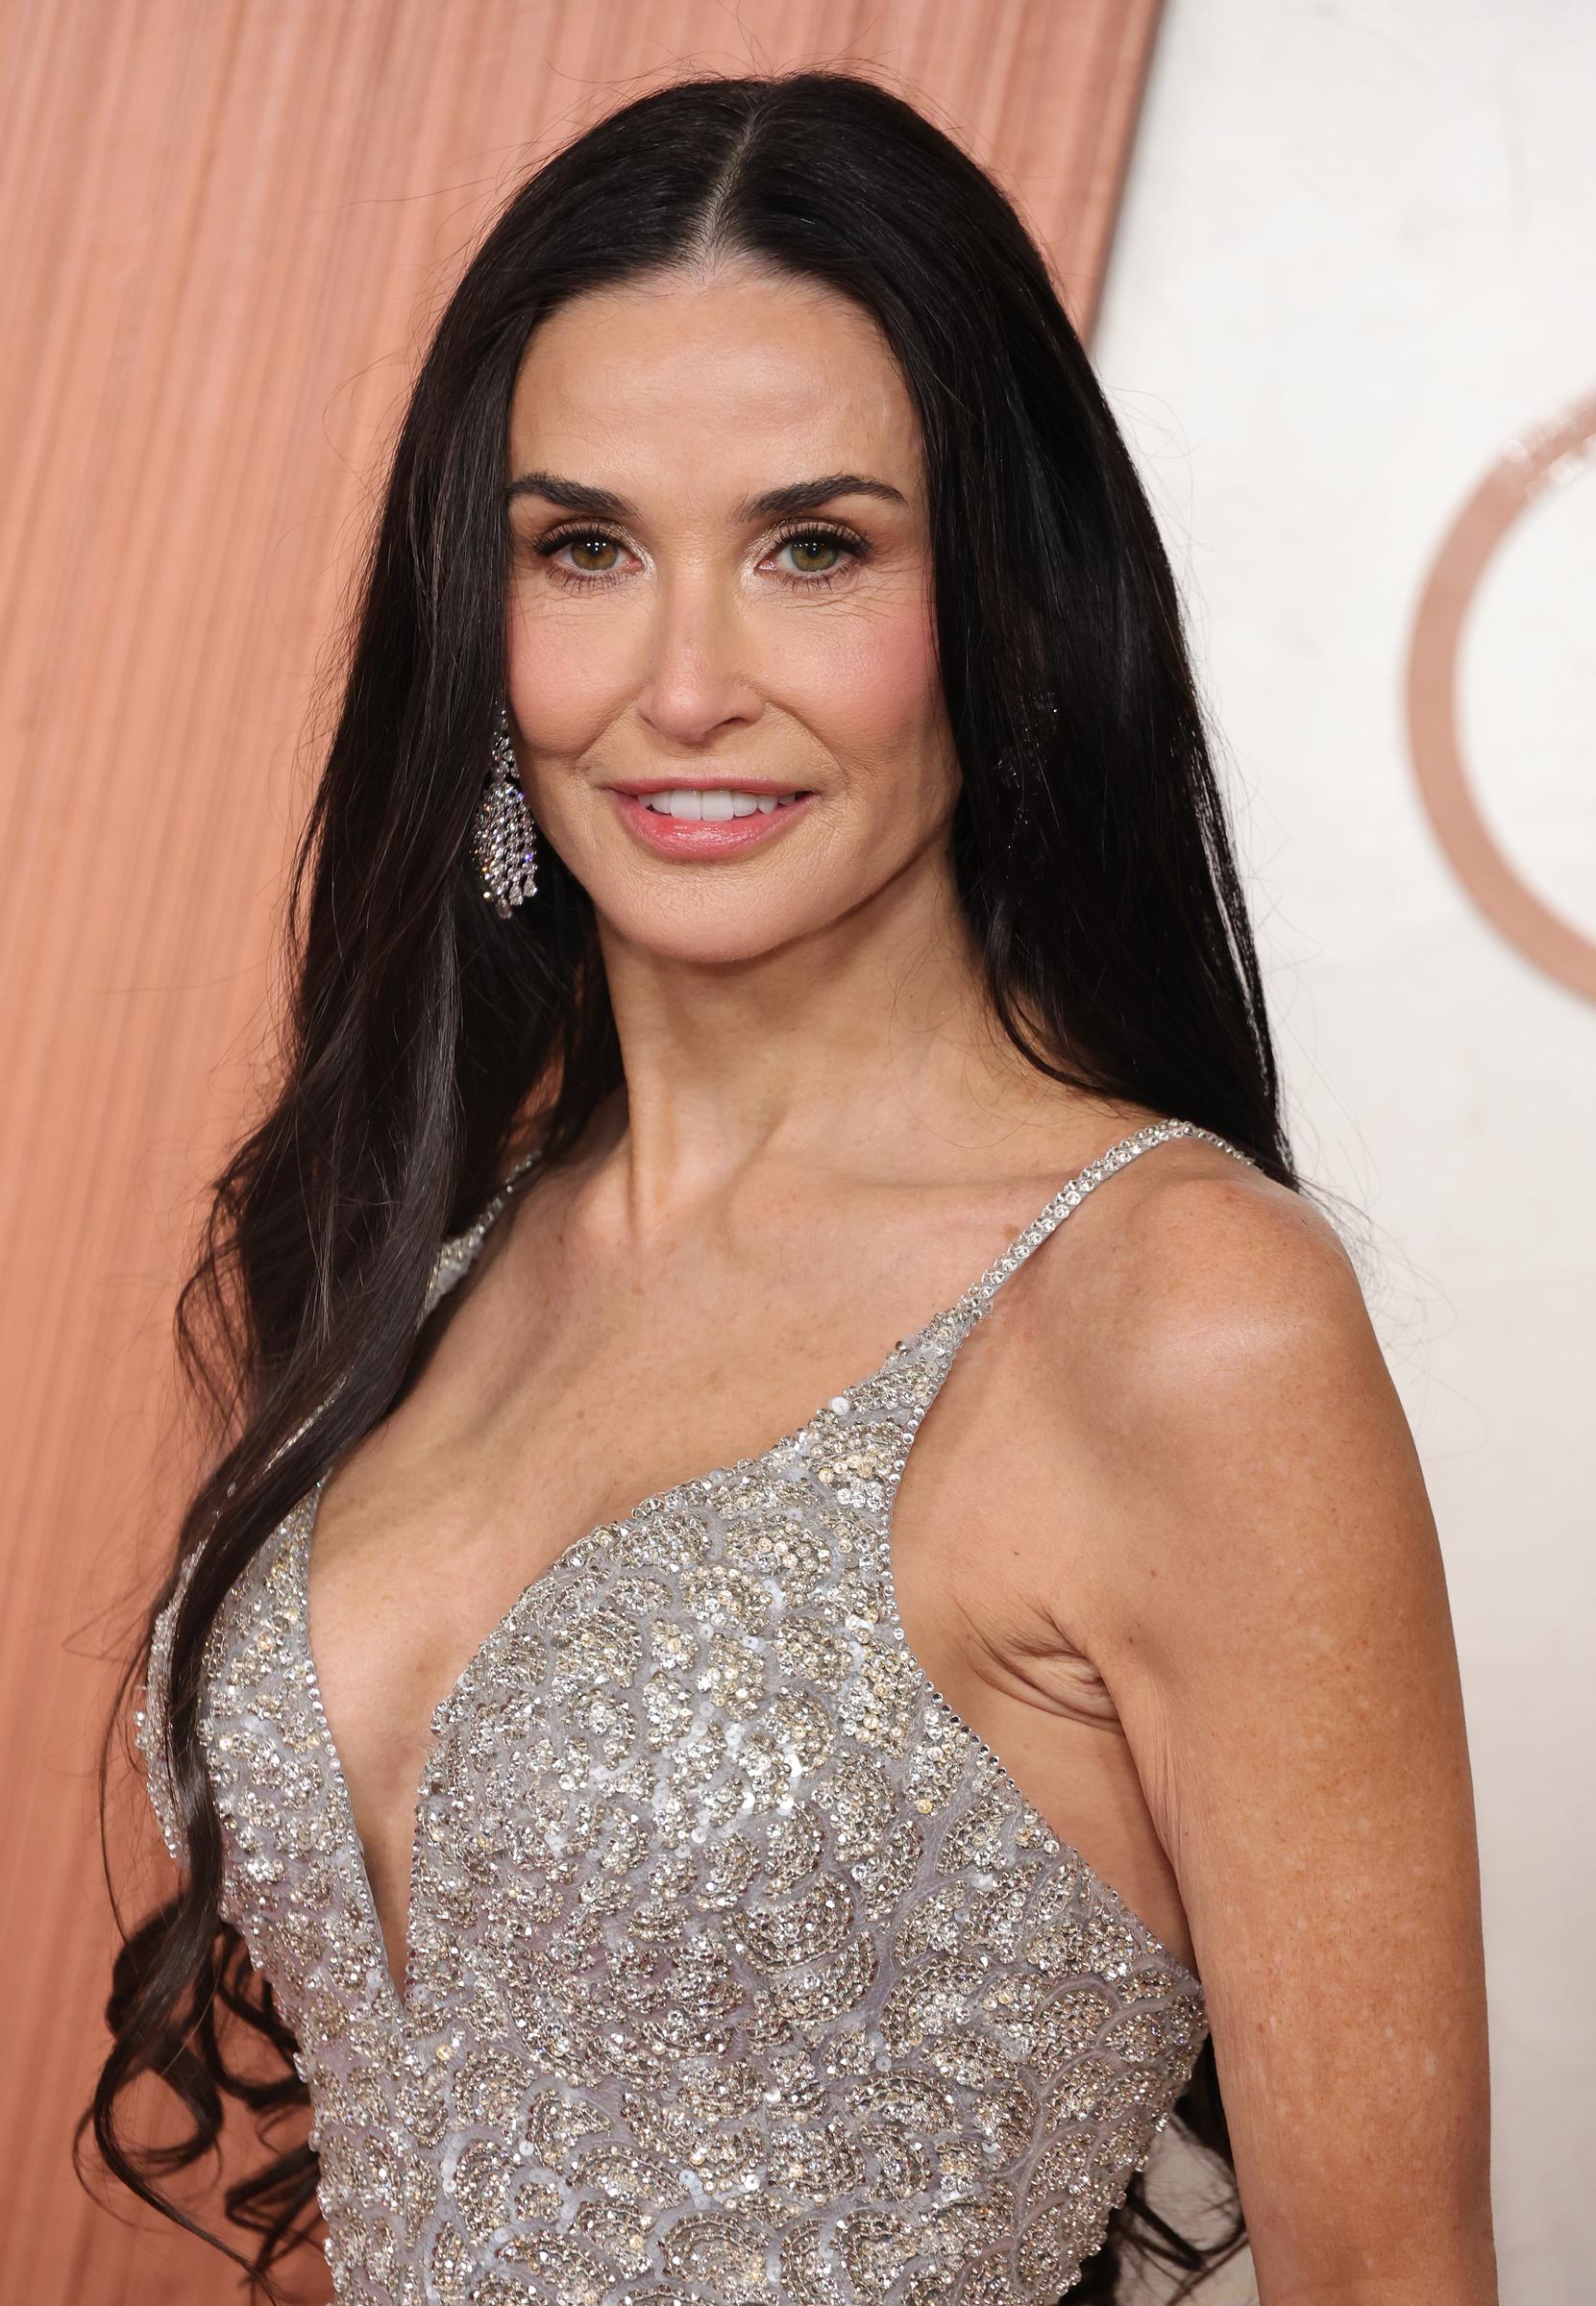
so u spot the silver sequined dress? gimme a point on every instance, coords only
(739, 1970)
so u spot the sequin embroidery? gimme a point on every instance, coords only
(739, 1968)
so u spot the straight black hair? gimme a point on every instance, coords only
(426, 1037)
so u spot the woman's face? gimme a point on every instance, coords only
(721, 590)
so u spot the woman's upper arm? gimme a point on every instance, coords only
(1275, 1632)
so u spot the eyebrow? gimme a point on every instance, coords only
(772, 503)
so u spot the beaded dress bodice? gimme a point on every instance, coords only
(739, 1969)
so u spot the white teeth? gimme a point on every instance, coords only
(714, 803)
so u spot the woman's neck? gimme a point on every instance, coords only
(874, 1057)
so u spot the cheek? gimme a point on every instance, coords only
(879, 685)
(564, 682)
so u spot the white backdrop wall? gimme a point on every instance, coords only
(1355, 262)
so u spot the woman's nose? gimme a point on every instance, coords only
(696, 676)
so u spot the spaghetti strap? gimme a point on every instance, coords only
(459, 1251)
(453, 1260)
(978, 1297)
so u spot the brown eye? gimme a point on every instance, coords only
(588, 548)
(596, 545)
(810, 553)
(819, 556)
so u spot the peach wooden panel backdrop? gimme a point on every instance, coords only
(223, 226)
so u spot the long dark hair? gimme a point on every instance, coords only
(423, 1031)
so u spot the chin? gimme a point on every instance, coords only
(706, 935)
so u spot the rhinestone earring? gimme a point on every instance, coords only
(503, 837)
(1037, 709)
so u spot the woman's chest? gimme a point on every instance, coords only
(454, 1545)
(697, 1850)
(673, 1681)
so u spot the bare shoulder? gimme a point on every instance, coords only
(1210, 1282)
(1207, 1363)
(1193, 1248)
(1248, 1553)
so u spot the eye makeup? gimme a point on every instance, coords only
(824, 535)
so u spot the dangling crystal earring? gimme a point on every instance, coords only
(504, 837)
(1037, 708)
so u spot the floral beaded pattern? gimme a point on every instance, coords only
(738, 1968)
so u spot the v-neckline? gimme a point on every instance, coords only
(399, 1989)
(960, 1316)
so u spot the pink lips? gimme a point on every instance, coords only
(694, 836)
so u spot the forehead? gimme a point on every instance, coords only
(728, 378)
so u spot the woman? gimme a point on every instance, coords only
(768, 877)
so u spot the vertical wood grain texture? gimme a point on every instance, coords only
(225, 226)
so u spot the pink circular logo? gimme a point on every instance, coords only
(1528, 466)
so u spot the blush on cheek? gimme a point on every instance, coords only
(884, 687)
(561, 692)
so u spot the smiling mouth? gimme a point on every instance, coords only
(703, 823)
(715, 804)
